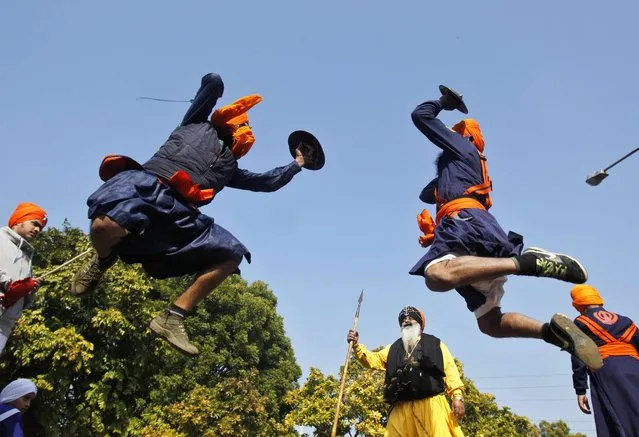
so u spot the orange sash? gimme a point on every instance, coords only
(612, 347)
(451, 208)
(448, 209)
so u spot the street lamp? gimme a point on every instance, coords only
(598, 176)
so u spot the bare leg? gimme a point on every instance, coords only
(466, 270)
(105, 234)
(508, 325)
(170, 324)
(205, 283)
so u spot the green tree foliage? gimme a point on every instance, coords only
(364, 412)
(101, 372)
(556, 429)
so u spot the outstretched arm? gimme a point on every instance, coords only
(266, 182)
(210, 90)
(425, 119)
(372, 360)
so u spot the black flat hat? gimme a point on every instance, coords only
(310, 148)
(461, 106)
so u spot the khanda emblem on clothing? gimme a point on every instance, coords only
(606, 317)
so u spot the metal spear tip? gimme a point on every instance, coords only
(596, 178)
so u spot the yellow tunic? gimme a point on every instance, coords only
(430, 417)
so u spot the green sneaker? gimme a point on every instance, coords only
(558, 266)
(572, 339)
(88, 276)
(170, 327)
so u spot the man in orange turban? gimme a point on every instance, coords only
(469, 251)
(420, 372)
(614, 390)
(149, 213)
(17, 285)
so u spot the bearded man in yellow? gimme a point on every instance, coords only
(419, 371)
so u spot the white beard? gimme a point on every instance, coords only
(410, 336)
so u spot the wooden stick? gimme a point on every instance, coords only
(348, 358)
(64, 264)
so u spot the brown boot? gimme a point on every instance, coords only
(170, 327)
(88, 276)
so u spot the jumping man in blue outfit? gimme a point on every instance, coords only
(149, 213)
(470, 252)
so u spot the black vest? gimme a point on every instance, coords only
(196, 149)
(418, 377)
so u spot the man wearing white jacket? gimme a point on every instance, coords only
(17, 285)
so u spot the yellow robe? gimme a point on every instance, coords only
(430, 417)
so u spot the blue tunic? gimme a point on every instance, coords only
(472, 231)
(615, 387)
(11, 426)
(170, 237)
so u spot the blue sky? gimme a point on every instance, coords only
(552, 84)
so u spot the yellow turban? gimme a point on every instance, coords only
(584, 295)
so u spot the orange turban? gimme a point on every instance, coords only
(28, 211)
(234, 120)
(470, 128)
(584, 295)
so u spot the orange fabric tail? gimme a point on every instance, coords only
(427, 226)
(189, 190)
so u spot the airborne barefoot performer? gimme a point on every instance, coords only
(468, 249)
(149, 213)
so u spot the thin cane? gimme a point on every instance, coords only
(348, 358)
(165, 100)
(65, 264)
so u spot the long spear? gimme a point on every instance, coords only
(86, 252)
(348, 358)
